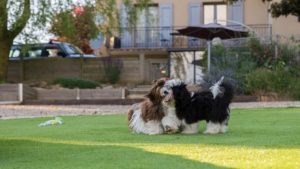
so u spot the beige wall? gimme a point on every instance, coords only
(181, 10)
(286, 26)
(255, 12)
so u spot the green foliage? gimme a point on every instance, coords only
(277, 74)
(260, 79)
(276, 80)
(255, 68)
(282, 8)
(75, 83)
(233, 63)
(113, 17)
(112, 69)
(262, 53)
(294, 88)
(77, 29)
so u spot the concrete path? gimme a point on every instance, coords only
(30, 111)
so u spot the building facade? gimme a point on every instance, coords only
(154, 38)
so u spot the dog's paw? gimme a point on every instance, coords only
(170, 130)
(210, 132)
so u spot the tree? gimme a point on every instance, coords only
(285, 8)
(76, 26)
(282, 8)
(9, 32)
(15, 15)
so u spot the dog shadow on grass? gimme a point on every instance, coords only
(35, 154)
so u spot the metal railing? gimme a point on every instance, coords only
(166, 37)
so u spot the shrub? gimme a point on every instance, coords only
(263, 54)
(112, 69)
(294, 90)
(258, 80)
(233, 63)
(72, 83)
(266, 80)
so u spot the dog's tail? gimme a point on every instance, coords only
(223, 90)
(129, 116)
(131, 112)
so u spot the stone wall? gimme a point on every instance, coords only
(9, 92)
(47, 69)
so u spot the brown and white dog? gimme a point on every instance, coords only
(146, 117)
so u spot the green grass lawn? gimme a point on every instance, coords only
(257, 138)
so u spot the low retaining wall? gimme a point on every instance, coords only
(80, 94)
(19, 93)
(9, 92)
(16, 93)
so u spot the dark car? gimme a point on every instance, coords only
(45, 50)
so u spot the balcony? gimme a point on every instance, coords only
(167, 38)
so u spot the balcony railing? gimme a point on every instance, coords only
(166, 37)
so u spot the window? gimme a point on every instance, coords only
(35, 53)
(15, 53)
(146, 27)
(215, 12)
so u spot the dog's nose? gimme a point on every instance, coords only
(168, 128)
(166, 92)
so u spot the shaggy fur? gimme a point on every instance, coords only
(211, 105)
(146, 117)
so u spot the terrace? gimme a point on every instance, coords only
(166, 38)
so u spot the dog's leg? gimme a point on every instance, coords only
(223, 128)
(224, 125)
(212, 128)
(170, 122)
(190, 128)
(153, 127)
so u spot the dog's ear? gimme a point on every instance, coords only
(154, 81)
(151, 96)
(160, 82)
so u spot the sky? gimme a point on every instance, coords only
(42, 35)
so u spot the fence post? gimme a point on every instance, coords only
(20, 90)
(276, 46)
(123, 93)
(78, 94)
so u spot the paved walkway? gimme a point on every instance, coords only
(29, 111)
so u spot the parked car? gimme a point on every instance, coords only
(44, 50)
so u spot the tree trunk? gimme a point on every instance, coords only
(4, 53)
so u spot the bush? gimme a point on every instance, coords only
(72, 83)
(233, 63)
(263, 54)
(294, 90)
(266, 80)
(258, 80)
(112, 69)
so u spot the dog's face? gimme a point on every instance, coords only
(167, 91)
(170, 122)
(155, 94)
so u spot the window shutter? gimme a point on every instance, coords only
(236, 12)
(195, 14)
(96, 43)
(126, 36)
(166, 23)
(194, 20)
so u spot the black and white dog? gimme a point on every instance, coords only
(211, 105)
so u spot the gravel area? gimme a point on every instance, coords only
(30, 111)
